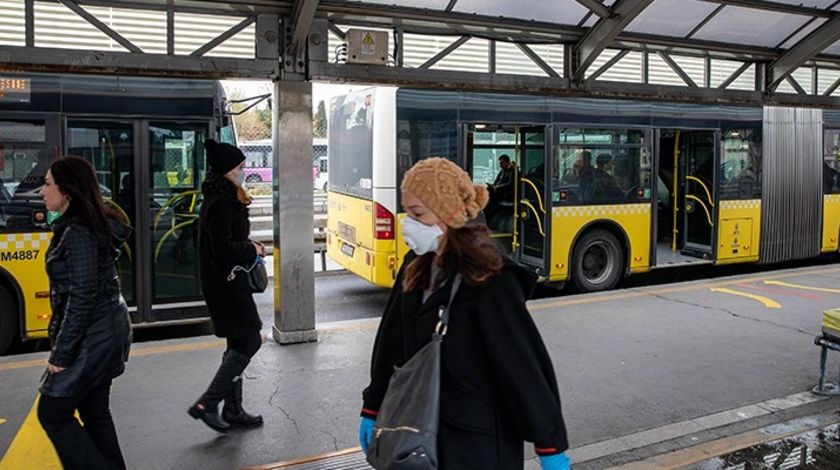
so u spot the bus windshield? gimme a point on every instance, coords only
(351, 144)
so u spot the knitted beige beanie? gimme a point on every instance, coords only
(446, 190)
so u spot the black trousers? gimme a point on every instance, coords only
(245, 345)
(93, 445)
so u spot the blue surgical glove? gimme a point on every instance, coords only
(555, 462)
(366, 433)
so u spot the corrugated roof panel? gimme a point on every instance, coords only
(628, 69)
(509, 59)
(722, 69)
(661, 74)
(193, 31)
(804, 76)
(12, 32)
(738, 25)
(694, 67)
(567, 12)
(825, 79)
(671, 17)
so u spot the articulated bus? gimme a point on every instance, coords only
(604, 188)
(145, 138)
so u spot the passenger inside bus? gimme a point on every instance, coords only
(499, 211)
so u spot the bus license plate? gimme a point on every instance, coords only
(347, 249)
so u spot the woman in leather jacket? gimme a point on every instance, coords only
(89, 330)
(223, 243)
(498, 387)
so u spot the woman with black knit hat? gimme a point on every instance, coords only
(498, 387)
(223, 243)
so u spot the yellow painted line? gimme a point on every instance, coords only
(588, 298)
(136, 352)
(727, 445)
(31, 447)
(800, 286)
(769, 303)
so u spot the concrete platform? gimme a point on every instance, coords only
(641, 372)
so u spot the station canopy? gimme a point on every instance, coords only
(758, 51)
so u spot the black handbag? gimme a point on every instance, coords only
(256, 275)
(405, 433)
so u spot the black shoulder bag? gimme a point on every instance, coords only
(257, 275)
(405, 434)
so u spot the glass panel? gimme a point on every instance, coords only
(740, 25)
(831, 162)
(351, 141)
(804, 32)
(176, 165)
(430, 4)
(557, 11)
(833, 49)
(110, 148)
(24, 158)
(671, 17)
(809, 3)
(740, 165)
(531, 191)
(699, 151)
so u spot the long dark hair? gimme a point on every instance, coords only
(468, 250)
(75, 178)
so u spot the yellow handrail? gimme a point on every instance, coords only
(700, 201)
(171, 201)
(705, 188)
(675, 188)
(537, 192)
(167, 234)
(536, 215)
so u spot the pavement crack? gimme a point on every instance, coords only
(810, 334)
(282, 410)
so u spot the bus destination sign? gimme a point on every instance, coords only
(14, 90)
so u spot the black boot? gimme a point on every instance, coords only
(233, 412)
(206, 409)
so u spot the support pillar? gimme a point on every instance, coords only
(294, 280)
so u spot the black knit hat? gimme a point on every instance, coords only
(222, 157)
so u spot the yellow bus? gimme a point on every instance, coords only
(604, 188)
(145, 138)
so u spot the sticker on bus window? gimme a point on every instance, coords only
(365, 183)
(555, 196)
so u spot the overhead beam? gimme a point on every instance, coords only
(224, 36)
(303, 12)
(604, 32)
(596, 7)
(42, 59)
(808, 47)
(71, 4)
(828, 91)
(509, 83)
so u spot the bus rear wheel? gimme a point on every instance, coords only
(253, 179)
(597, 261)
(8, 320)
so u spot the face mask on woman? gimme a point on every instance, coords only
(240, 178)
(421, 238)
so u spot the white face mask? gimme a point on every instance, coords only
(240, 178)
(421, 238)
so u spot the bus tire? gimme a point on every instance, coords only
(597, 261)
(8, 320)
(253, 179)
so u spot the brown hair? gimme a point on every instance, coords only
(468, 250)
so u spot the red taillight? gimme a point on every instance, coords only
(384, 224)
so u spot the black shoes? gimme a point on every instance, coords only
(210, 417)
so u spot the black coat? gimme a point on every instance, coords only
(89, 330)
(223, 243)
(498, 386)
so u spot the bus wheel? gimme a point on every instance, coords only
(597, 261)
(8, 320)
(253, 179)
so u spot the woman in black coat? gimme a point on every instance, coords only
(89, 329)
(223, 243)
(498, 387)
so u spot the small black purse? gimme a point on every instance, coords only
(257, 275)
(405, 433)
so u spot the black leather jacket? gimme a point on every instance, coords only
(89, 330)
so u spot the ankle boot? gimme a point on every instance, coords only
(210, 416)
(233, 412)
(206, 409)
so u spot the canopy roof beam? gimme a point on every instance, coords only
(604, 33)
(595, 6)
(808, 47)
(93, 20)
(303, 12)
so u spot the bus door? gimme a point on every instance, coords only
(685, 202)
(531, 203)
(149, 174)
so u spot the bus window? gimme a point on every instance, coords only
(24, 158)
(740, 164)
(831, 162)
(351, 144)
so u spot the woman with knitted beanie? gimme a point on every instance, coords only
(498, 387)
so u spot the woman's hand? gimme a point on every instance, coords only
(54, 369)
(260, 248)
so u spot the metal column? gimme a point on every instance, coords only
(294, 281)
